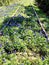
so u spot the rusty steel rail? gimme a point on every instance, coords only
(39, 22)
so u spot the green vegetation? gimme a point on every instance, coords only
(7, 2)
(22, 41)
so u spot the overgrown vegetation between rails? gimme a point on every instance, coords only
(22, 41)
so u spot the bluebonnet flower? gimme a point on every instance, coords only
(43, 58)
(18, 24)
(14, 51)
(9, 52)
(0, 45)
(40, 32)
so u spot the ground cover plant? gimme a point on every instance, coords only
(22, 41)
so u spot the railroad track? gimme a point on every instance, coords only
(38, 21)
